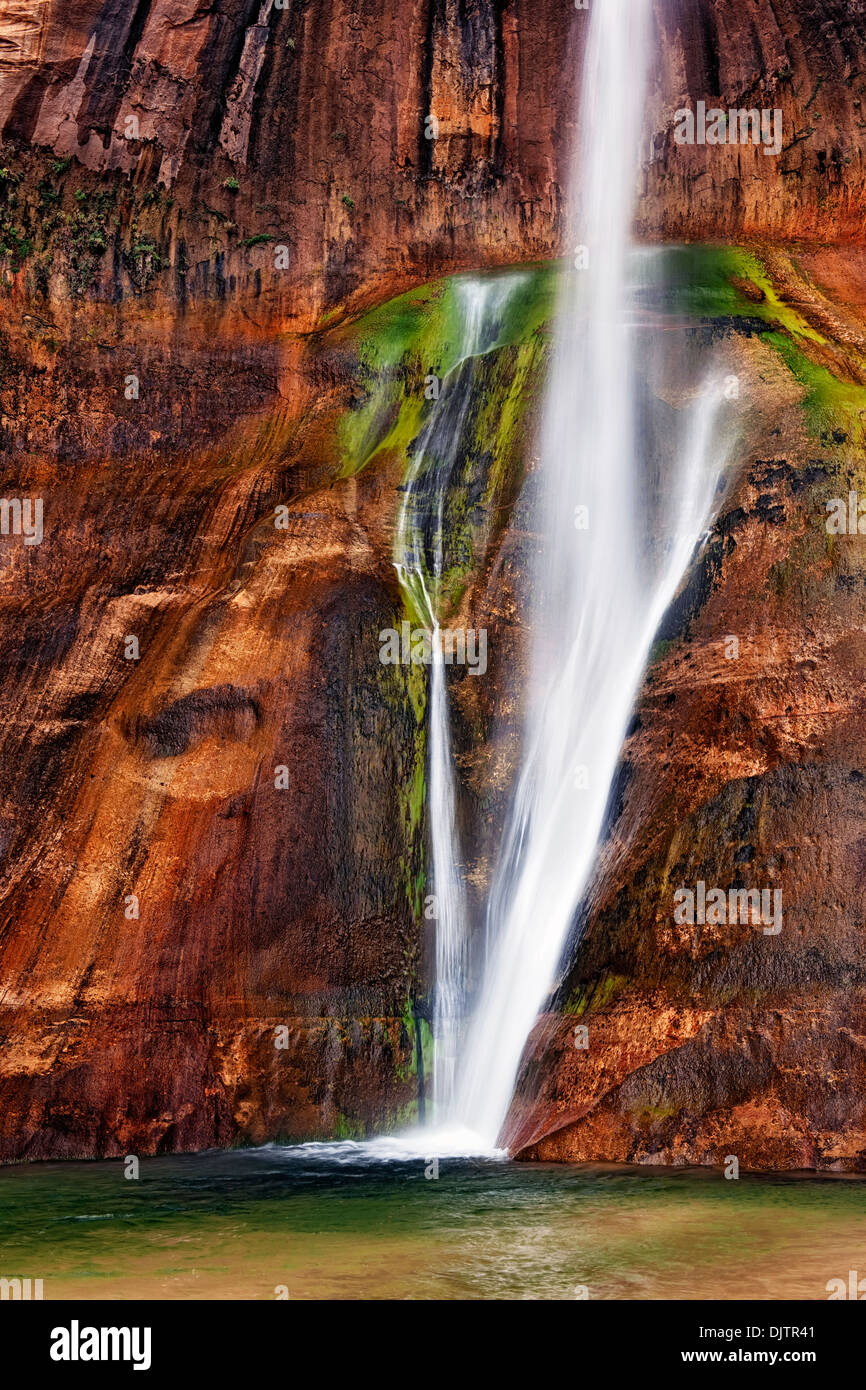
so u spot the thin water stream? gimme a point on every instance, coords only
(419, 558)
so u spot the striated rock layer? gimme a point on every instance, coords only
(193, 197)
(671, 1042)
(208, 924)
(306, 126)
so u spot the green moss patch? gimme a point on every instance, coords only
(596, 995)
(711, 281)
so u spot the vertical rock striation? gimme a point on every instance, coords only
(193, 195)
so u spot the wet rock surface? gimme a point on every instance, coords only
(168, 378)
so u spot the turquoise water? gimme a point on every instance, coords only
(267, 1223)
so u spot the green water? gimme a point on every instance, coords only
(248, 1225)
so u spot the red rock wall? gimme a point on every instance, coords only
(804, 57)
(158, 1033)
(318, 112)
(744, 767)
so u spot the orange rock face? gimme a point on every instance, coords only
(309, 124)
(188, 191)
(800, 57)
(744, 767)
(205, 935)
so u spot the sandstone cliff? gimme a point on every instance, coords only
(193, 198)
(306, 125)
(743, 766)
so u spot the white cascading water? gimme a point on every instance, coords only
(599, 593)
(419, 557)
(597, 597)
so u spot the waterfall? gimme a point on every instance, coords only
(630, 457)
(611, 553)
(419, 558)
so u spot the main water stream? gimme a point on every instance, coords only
(628, 471)
(615, 532)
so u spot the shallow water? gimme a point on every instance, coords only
(335, 1224)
